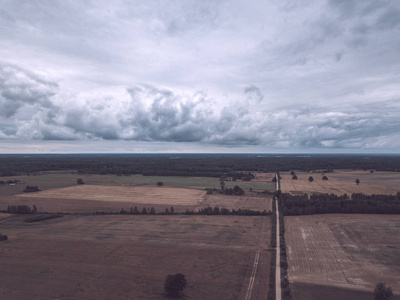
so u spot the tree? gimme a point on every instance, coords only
(152, 211)
(310, 179)
(358, 181)
(174, 284)
(292, 173)
(381, 292)
(80, 181)
(294, 177)
(160, 183)
(324, 177)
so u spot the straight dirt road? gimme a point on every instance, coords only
(278, 249)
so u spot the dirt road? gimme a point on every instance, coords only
(278, 250)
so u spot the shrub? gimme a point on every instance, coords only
(381, 292)
(174, 284)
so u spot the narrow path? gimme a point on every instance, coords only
(253, 276)
(278, 249)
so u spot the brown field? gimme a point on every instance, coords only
(341, 256)
(130, 194)
(342, 182)
(128, 257)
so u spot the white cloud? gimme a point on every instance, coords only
(309, 75)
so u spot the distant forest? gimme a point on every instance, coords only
(203, 165)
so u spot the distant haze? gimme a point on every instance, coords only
(200, 76)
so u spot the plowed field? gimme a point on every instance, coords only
(342, 252)
(128, 257)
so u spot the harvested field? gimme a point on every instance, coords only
(258, 203)
(336, 252)
(128, 257)
(342, 182)
(96, 198)
(132, 195)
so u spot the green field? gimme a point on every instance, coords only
(52, 181)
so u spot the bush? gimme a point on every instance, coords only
(174, 284)
(160, 183)
(3, 237)
(381, 292)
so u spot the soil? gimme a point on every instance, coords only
(128, 257)
(342, 251)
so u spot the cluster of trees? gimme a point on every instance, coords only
(382, 292)
(331, 203)
(21, 209)
(224, 211)
(31, 189)
(272, 282)
(209, 165)
(136, 211)
(235, 191)
(286, 291)
(238, 176)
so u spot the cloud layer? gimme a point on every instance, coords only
(304, 75)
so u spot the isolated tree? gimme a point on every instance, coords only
(292, 173)
(324, 177)
(222, 184)
(160, 183)
(310, 179)
(80, 181)
(172, 210)
(174, 284)
(372, 171)
(358, 181)
(152, 211)
(294, 177)
(381, 292)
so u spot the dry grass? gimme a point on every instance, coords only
(342, 182)
(128, 257)
(132, 195)
(346, 251)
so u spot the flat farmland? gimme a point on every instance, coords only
(128, 257)
(342, 256)
(342, 182)
(97, 198)
(54, 181)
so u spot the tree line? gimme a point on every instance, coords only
(199, 165)
(330, 203)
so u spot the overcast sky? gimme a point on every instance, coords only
(200, 76)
